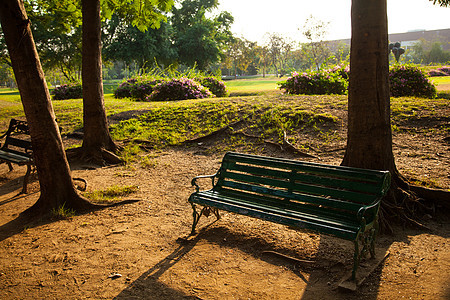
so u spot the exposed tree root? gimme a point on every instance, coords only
(285, 147)
(289, 147)
(214, 133)
(407, 204)
(438, 197)
(100, 157)
(77, 203)
(82, 180)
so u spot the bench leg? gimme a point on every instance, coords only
(25, 179)
(10, 166)
(374, 234)
(367, 240)
(205, 211)
(196, 217)
(356, 259)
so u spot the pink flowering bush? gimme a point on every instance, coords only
(436, 73)
(316, 83)
(141, 90)
(68, 91)
(137, 89)
(217, 87)
(179, 89)
(444, 71)
(124, 89)
(410, 81)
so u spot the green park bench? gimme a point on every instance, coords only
(17, 150)
(335, 200)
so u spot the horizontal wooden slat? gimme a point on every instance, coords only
(17, 143)
(13, 157)
(292, 205)
(342, 171)
(312, 199)
(297, 220)
(311, 178)
(298, 187)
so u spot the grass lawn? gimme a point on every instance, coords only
(256, 86)
(442, 83)
(244, 92)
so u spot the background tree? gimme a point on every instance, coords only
(125, 42)
(279, 49)
(369, 140)
(262, 54)
(199, 40)
(239, 55)
(316, 50)
(56, 27)
(55, 179)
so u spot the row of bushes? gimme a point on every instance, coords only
(143, 89)
(68, 91)
(171, 89)
(404, 81)
(444, 71)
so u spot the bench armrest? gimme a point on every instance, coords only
(194, 180)
(362, 211)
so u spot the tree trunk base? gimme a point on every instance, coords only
(76, 205)
(99, 157)
(407, 204)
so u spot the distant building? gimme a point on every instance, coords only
(409, 38)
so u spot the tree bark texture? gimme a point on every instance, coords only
(369, 137)
(96, 131)
(54, 173)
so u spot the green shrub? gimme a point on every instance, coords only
(179, 89)
(140, 90)
(315, 83)
(136, 88)
(124, 89)
(410, 81)
(217, 87)
(68, 91)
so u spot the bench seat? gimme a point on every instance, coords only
(15, 158)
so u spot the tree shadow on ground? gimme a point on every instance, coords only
(147, 285)
(19, 224)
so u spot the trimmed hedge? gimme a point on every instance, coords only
(315, 83)
(217, 87)
(410, 81)
(405, 80)
(68, 91)
(179, 89)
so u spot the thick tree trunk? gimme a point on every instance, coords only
(369, 137)
(55, 180)
(96, 132)
(369, 143)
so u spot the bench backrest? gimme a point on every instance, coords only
(291, 183)
(21, 146)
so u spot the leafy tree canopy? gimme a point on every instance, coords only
(198, 39)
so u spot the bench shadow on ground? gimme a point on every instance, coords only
(321, 276)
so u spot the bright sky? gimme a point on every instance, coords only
(254, 18)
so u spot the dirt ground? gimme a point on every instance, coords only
(142, 250)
